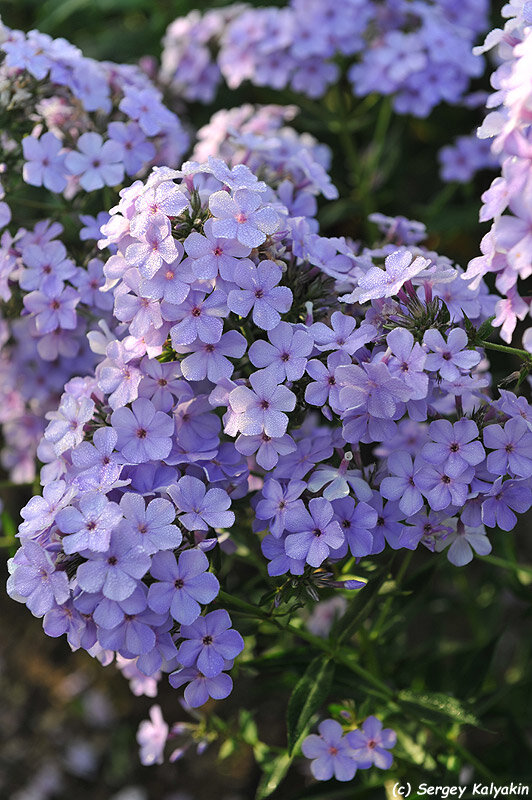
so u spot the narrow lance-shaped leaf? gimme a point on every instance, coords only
(309, 693)
(435, 705)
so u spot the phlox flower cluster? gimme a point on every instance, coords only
(75, 125)
(339, 754)
(333, 752)
(46, 345)
(249, 357)
(401, 49)
(294, 164)
(85, 124)
(506, 248)
(466, 156)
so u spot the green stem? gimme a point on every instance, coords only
(502, 348)
(389, 600)
(501, 562)
(319, 643)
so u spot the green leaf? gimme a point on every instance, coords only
(435, 705)
(309, 693)
(273, 774)
(486, 329)
(359, 609)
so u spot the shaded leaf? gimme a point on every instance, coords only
(435, 705)
(272, 775)
(309, 693)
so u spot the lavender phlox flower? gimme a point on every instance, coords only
(160, 200)
(259, 291)
(145, 107)
(43, 264)
(136, 150)
(128, 626)
(118, 376)
(37, 580)
(209, 642)
(276, 500)
(267, 449)
(452, 446)
(151, 526)
(372, 387)
(209, 360)
(201, 688)
(401, 484)
(27, 54)
(466, 156)
(97, 464)
(339, 481)
(97, 163)
(163, 652)
(144, 434)
(152, 736)
(376, 282)
(399, 229)
(323, 253)
(323, 389)
(425, 527)
(89, 283)
(198, 508)
(195, 423)
(408, 361)
(502, 499)
(325, 614)
(199, 317)
(511, 448)
(261, 408)
(330, 752)
(65, 429)
(310, 451)
(388, 528)
(45, 163)
(515, 406)
(279, 562)
(116, 571)
(356, 521)
(158, 246)
(161, 383)
(40, 512)
(213, 255)
(142, 314)
(314, 532)
(88, 527)
(449, 357)
(285, 355)
(371, 744)
(181, 585)
(65, 619)
(236, 177)
(443, 490)
(464, 541)
(170, 284)
(344, 335)
(243, 217)
(54, 306)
